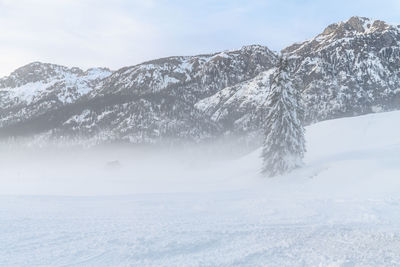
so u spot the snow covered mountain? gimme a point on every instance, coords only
(140, 104)
(157, 99)
(38, 89)
(351, 68)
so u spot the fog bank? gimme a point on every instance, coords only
(116, 170)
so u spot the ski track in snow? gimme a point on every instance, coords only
(341, 209)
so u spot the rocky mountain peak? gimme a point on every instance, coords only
(45, 72)
(354, 26)
(36, 72)
(358, 23)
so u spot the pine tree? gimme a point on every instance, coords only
(284, 143)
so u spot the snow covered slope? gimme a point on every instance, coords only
(341, 209)
(240, 108)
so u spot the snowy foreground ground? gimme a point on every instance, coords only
(341, 209)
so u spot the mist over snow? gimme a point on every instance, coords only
(349, 152)
(111, 170)
(190, 206)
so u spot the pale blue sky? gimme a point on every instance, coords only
(117, 33)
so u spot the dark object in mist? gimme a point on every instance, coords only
(115, 164)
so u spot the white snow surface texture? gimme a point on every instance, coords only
(341, 209)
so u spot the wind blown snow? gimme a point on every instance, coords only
(157, 209)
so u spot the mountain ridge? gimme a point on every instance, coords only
(350, 68)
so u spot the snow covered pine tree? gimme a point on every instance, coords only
(284, 143)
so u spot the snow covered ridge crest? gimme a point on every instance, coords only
(351, 68)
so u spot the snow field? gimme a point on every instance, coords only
(341, 209)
